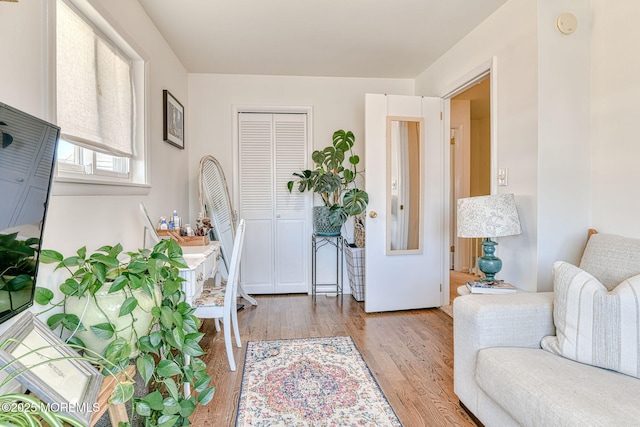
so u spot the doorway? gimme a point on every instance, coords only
(470, 163)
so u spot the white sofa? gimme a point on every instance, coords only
(503, 376)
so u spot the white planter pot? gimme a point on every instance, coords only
(107, 310)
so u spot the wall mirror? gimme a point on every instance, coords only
(404, 185)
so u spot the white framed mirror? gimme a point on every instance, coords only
(405, 175)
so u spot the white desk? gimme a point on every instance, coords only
(202, 264)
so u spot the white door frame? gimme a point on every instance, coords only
(487, 68)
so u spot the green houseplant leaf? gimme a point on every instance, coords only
(333, 180)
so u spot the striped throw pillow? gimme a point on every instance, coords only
(593, 325)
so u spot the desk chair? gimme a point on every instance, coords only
(220, 301)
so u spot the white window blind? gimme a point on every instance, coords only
(95, 103)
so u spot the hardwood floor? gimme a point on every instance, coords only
(410, 353)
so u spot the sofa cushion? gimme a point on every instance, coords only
(538, 388)
(611, 259)
(594, 326)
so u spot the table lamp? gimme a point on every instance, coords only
(487, 217)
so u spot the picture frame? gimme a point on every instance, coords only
(49, 368)
(173, 120)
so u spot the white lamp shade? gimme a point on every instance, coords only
(488, 216)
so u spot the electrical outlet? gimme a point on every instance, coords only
(503, 174)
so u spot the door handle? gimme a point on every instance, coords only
(277, 215)
(373, 214)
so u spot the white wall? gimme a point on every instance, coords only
(510, 34)
(337, 103)
(615, 92)
(74, 221)
(542, 125)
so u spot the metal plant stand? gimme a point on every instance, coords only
(317, 242)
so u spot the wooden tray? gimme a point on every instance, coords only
(185, 240)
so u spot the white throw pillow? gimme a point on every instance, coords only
(594, 326)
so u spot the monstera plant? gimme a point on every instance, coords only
(334, 181)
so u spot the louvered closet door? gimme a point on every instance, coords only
(275, 258)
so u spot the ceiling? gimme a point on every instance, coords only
(333, 38)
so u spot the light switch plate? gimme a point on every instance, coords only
(503, 174)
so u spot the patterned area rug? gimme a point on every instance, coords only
(319, 382)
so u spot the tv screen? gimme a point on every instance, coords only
(27, 157)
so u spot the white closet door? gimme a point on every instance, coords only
(272, 147)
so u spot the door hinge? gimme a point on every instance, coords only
(440, 287)
(440, 115)
(453, 248)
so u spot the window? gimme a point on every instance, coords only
(99, 87)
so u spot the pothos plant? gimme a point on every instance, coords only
(168, 352)
(334, 182)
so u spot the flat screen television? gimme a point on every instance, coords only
(27, 158)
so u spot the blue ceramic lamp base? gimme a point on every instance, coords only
(489, 264)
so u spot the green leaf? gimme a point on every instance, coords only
(76, 342)
(202, 383)
(155, 338)
(198, 365)
(343, 140)
(145, 346)
(70, 287)
(117, 350)
(171, 406)
(43, 296)
(206, 395)
(143, 409)
(146, 365)
(122, 393)
(355, 201)
(66, 320)
(47, 256)
(172, 388)
(154, 400)
(188, 406)
(118, 284)
(168, 420)
(168, 368)
(128, 306)
(19, 282)
(178, 337)
(354, 160)
(103, 331)
(166, 317)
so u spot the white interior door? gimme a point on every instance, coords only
(402, 281)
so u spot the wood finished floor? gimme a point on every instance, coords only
(410, 353)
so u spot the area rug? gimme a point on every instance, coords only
(319, 382)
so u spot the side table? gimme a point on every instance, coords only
(317, 242)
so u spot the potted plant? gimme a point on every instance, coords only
(17, 267)
(165, 348)
(334, 183)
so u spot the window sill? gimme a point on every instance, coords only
(77, 187)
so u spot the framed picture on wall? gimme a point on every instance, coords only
(173, 120)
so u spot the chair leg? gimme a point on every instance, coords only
(227, 341)
(236, 332)
(217, 323)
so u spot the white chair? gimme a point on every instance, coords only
(220, 302)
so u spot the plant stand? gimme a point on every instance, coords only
(318, 242)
